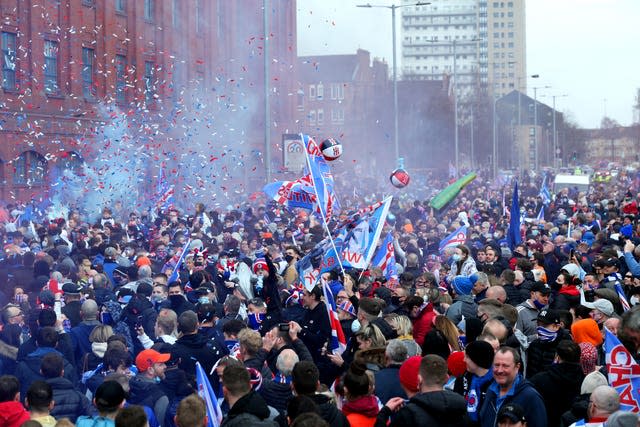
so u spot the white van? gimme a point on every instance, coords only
(570, 181)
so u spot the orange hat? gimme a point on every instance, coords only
(408, 228)
(586, 330)
(146, 359)
(143, 260)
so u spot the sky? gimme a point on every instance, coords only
(584, 49)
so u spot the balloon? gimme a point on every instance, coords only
(399, 178)
(331, 149)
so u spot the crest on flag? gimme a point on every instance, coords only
(458, 237)
(623, 373)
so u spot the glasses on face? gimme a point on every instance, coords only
(421, 283)
(17, 315)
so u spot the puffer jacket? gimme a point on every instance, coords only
(540, 354)
(250, 409)
(70, 403)
(145, 392)
(434, 409)
(28, 370)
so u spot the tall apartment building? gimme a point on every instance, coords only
(485, 40)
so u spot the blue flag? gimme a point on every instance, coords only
(176, 270)
(513, 235)
(623, 373)
(385, 258)
(214, 415)
(544, 192)
(458, 237)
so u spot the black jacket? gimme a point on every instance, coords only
(250, 409)
(195, 348)
(276, 394)
(298, 346)
(329, 412)
(65, 346)
(316, 330)
(140, 308)
(540, 354)
(559, 385)
(388, 384)
(69, 402)
(434, 409)
(147, 393)
(515, 295)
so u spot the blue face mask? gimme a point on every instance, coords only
(545, 334)
(456, 257)
(255, 320)
(538, 304)
(203, 300)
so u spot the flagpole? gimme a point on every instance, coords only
(322, 215)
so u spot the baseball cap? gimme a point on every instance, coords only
(513, 411)
(548, 317)
(147, 358)
(572, 269)
(540, 287)
(603, 305)
(109, 394)
(71, 289)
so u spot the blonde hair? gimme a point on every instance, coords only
(100, 333)
(372, 333)
(401, 324)
(449, 330)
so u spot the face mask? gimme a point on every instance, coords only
(288, 258)
(203, 300)
(534, 232)
(355, 326)
(634, 300)
(456, 257)
(156, 298)
(255, 319)
(529, 254)
(545, 334)
(395, 301)
(176, 299)
(538, 304)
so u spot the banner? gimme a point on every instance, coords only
(458, 237)
(385, 258)
(513, 234)
(623, 373)
(214, 414)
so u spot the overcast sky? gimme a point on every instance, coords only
(586, 49)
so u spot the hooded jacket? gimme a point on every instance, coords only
(70, 403)
(28, 370)
(540, 354)
(522, 393)
(434, 409)
(146, 392)
(194, 348)
(423, 323)
(250, 409)
(328, 411)
(559, 385)
(13, 414)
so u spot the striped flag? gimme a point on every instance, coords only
(385, 258)
(338, 342)
(176, 270)
(458, 237)
(214, 414)
(623, 298)
(544, 192)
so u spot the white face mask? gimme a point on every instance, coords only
(634, 300)
(355, 326)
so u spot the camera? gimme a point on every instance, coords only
(283, 327)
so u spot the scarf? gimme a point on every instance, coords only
(545, 334)
(571, 290)
(365, 405)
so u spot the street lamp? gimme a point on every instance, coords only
(495, 139)
(393, 8)
(555, 136)
(535, 122)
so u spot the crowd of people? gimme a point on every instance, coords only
(110, 321)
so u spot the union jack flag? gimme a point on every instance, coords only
(338, 342)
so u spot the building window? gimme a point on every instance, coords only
(320, 116)
(9, 61)
(121, 79)
(532, 131)
(88, 89)
(30, 169)
(89, 3)
(337, 115)
(175, 9)
(312, 117)
(319, 92)
(199, 16)
(300, 98)
(51, 66)
(121, 6)
(312, 92)
(148, 10)
(149, 81)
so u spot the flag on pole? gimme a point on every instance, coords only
(623, 373)
(623, 298)
(513, 235)
(385, 258)
(544, 192)
(338, 342)
(176, 269)
(359, 238)
(458, 237)
(214, 414)
(540, 216)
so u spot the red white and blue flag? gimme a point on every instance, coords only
(623, 373)
(338, 342)
(205, 391)
(385, 258)
(623, 298)
(175, 274)
(458, 237)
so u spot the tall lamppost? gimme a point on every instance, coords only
(535, 122)
(393, 8)
(555, 135)
(267, 112)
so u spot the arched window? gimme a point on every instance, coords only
(30, 168)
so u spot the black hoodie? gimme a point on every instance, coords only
(250, 409)
(434, 409)
(559, 386)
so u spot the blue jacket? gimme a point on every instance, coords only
(522, 393)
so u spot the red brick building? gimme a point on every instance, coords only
(72, 66)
